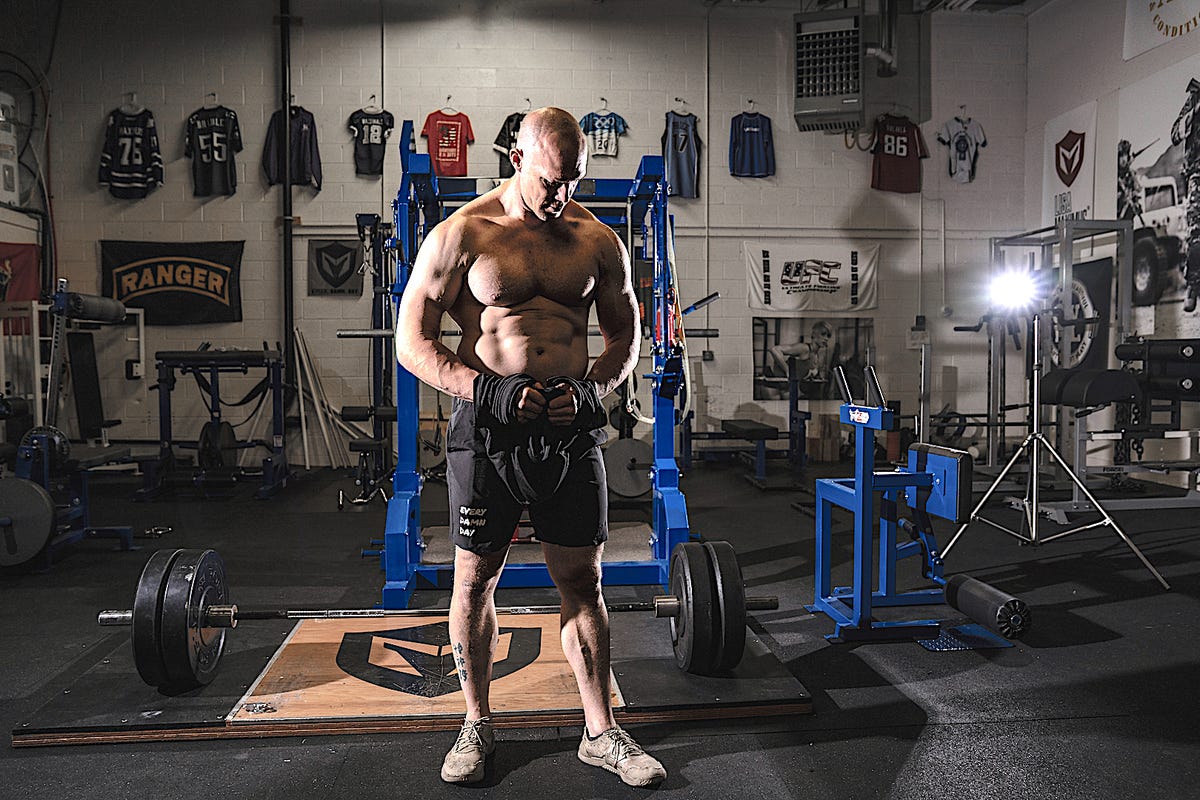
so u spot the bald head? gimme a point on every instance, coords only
(550, 158)
(552, 127)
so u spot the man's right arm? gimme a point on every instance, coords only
(436, 281)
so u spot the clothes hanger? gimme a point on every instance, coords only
(210, 100)
(131, 106)
(680, 106)
(449, 109)
(604, 108)
(528, 105)
(371, 107)
(750, 102)
(962, 113)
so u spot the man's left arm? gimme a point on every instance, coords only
(616, 311)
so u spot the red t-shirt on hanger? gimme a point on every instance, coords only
(448, 135)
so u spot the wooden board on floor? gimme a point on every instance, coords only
(353, 669)
(107, 703)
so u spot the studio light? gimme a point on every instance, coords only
(1015, 290)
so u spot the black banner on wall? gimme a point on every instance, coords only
(177, 283)
(333, 267)
(1091, 299)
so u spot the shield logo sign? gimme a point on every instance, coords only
(1068, 157)
(421, 659)
(335, 263)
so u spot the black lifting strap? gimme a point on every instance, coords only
(256, 392)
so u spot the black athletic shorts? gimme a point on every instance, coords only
(484, 511)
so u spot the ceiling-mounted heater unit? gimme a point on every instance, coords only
(829, 70)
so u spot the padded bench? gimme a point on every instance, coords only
(756, 432)
(1088, 388)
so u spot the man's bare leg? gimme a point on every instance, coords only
(585, 641)
(473, 639)
(583, 626)
(473, 624)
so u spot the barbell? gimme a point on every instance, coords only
(182, 612)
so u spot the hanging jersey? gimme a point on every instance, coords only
(305, 156)
(751, 146)
(212, 138)
(371, 131)
(964, 137)
(602, 131)
(506, 140)
(130, 163)
(448, 135)
(899, 148)
(681, 154)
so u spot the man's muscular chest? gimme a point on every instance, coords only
(511, 268)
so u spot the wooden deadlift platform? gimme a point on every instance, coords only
(353, 671)
(331, 677)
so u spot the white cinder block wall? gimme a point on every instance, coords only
(490, 57)
(1068, 71)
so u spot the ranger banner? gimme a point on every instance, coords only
(177, 283)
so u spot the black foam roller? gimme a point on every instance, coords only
(987, 605)
(1172, 350)
(356, 413)
(93, 308)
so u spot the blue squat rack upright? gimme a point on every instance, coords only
(418, 206)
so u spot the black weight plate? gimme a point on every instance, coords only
(227, 441)
(208, 450)
(147, 617)
(59, 444)
(693, 631)
(627, 467)
(731, 605)
(30, 512)
(191, 652)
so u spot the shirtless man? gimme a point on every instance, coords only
(518, 269)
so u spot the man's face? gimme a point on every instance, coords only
(548, 176)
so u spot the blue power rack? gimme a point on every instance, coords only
(417, 208)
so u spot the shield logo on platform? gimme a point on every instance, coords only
(1068, 157)
(421, 660)
(335, 263)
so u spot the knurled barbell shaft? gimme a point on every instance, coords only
(228, 616)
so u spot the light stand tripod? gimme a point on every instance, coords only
(1035, 442)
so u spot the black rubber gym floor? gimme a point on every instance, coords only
(1100, 700)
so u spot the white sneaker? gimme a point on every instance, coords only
(466, 760)
(617, 752)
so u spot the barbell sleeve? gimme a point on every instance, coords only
(115, 617)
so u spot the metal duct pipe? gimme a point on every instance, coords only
(889, 11)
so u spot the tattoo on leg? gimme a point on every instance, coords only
(462, 666)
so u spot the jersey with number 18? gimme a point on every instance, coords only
(371, 132)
